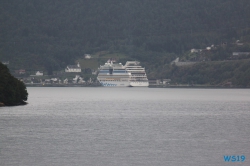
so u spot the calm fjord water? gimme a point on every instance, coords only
(126, 126)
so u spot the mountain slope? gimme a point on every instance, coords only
(51, 34)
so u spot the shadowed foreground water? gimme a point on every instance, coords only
(126, 126)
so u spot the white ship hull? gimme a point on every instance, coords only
(139, 84)
(115, 83)
(117, 75)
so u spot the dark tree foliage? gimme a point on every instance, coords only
(12, 91)
(213, 73)
(62, 30)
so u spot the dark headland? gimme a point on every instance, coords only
(12, 91)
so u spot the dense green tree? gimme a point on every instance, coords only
(12, 91)
(213, 73)
(63, 30)
(48, 35)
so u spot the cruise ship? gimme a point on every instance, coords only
(129, 75)
(138, 74)
(111, 74)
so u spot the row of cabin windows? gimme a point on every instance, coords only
(110, 80)
(126, 80)
(107, 71)
(138, 75)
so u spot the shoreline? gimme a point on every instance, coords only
(2, 104)
(198, 87)
(19, 104)
(150, 86)
(62, 85)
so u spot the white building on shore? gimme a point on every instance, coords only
(73, 68)
(39, 73)
(87, 56)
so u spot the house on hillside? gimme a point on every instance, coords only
(166, 81)
(175, 61)
(240, 55)
(21, 71)
(238, 43)
(87, 56)
(195, 50)
(39, 73)
(47, 81)
(66, 81)
(5, 62)
(113, 60)
(208, 48)
(94, 72)
(154, 82)
(73, 68)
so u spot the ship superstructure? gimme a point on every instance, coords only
(131, 74)
(138, 74)
(111, 74)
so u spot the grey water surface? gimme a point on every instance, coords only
(77, 126)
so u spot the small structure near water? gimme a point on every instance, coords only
(73, 68)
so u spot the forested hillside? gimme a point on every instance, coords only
(12, 91)
(49, 34)
(229, 73)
